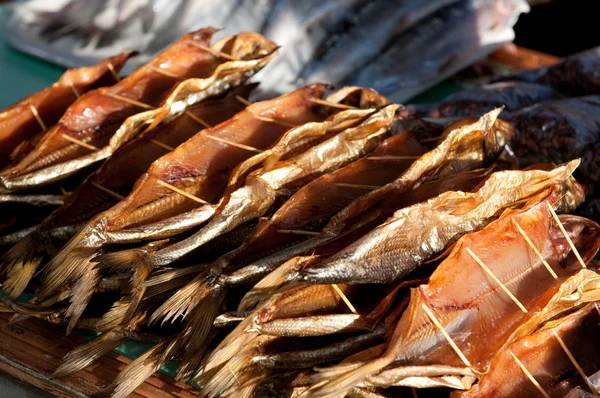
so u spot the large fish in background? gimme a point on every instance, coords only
(398, 47)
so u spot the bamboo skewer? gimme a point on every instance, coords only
(535, 249)
(182, 192)
(77, 95)
(131, 101)
(198, 120)
(241, 146)
(529, 376)
(163, 72)
(562, 229)
(108, 191)
(79, 142)
(243, 100)
(393, 157)
(344, 298)
(498, 281)
(271, 120)
(37, 117)
(331, 104)
(214, 52)
(358, 186)
(162, 145)
(113, 72)
(574, 361)
(298, 232)
(414, 392)
(437, 324)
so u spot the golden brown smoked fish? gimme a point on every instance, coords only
(477, 314)
(96, 116)
(199, 167)
(102, 189)
(19, 122)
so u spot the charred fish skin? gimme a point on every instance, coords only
(105, 112)
(19, 123)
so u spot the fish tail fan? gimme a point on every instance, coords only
(184, 300)
(140, 369)
(198, 327)
(338, 386)
(21, 262)
(114, 317)
(70, 263)
(87, 353)
(141, 262)
(270, 284)
(237, 372)
(82, 293)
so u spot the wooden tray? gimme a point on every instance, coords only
(32, 349)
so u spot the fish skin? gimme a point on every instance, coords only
(442, 220)
(542, 355)
(478, 315)
(88, 200)
(199, 166)
(18, 123)
(96, 116)
(263, 188)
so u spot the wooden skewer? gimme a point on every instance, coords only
(437, 324)
(574, 361)
(108, 191)
(393, 157)
(597, 309)
(113, 72)
(377, 134)
(79, 142)
(498, 281)
(131, 101)
(63, 191)
(198, 120)
(414, 392)
(344, 298)
(37, 117)
(241, 146)
(163, 72)
(331, 104)
(562, 229)
(426, 140)
(535, 250)
(529, 376)
(77, 95)
(182, 192)
(243, 100)
(358, 186)
(298, 232)
(214, 52)
(162, 145)
(271, 120)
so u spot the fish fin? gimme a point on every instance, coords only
(170, 280)
(21, 262)
(339, 386)
(140, 369)
(69, 264)
(81, 295)
(85, 354)
(125, 260)
(182, 302)
(239, 373)
(271, 283)
(198, 327)
(114, 316)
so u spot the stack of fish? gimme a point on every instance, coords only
(321, 243)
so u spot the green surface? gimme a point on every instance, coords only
(21, 74)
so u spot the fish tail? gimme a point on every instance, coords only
(87, 353)
(80, 297)
(198, 327)
(140, 369)
(239, 375)
(69, 264)
(21, 262)
(266, 287)
(114, 317)
(339, 386)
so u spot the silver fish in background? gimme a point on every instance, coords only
(439, 46)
